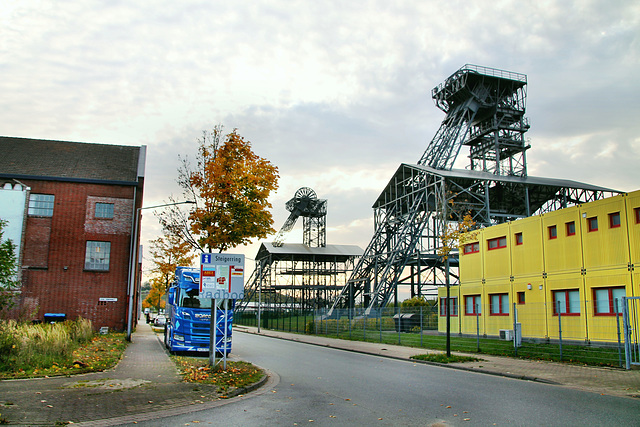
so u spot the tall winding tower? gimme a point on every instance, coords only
(484, 114)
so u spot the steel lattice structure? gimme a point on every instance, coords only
(485, 110)
(303, 276)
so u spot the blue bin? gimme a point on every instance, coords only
(54, 317)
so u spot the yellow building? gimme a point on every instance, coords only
(568, 267)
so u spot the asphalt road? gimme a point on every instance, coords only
(320, 386)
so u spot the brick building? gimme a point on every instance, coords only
(71, 209)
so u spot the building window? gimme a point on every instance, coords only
(592, 223)
(614, 220)
(497, 243)
(568, 301)
(519, 240)
(521, 297)
(637, 212)
(104, 210)
(607, 299)
(499, 304)
(553, 232)
(41, 204)
(471, 248)
(571, 228)
(453, 306)
(97, 256)
(472, 305)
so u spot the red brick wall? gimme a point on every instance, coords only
(54, 277)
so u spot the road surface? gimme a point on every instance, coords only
(321, 386)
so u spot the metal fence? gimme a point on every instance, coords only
(534, 332)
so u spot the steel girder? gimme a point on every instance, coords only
(308, 283)
(412, 211)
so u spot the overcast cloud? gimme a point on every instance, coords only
(334, 93)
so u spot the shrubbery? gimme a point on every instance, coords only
(24, 346)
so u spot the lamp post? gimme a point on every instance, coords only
(133, 262)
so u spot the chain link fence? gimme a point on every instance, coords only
(535, 331)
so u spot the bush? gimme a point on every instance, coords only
(26, 346)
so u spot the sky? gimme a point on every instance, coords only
(336, 94)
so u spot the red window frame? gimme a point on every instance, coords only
(614, 220)
(611, 309)
(500, 242)
(518, 239)
(501, 304)
(521, 297)
(476, 308)
(571, 228)
(592, 223)
(453, 302)
(553, 232)
(471, 248)
(567, 301)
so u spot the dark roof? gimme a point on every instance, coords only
(300, 252)
(70, 161)
(540, 189)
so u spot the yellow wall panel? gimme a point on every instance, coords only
(562, 254)
(493, 323)
(573, 324)
(527, 257)
(633, 204)
(531, 312)
(603, 327)
(496, 262)
(454, 323)
(469, 322)
(615, 240)
(471, 263)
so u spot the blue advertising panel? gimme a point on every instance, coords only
(222, 276)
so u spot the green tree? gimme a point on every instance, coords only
(417, 302)
(230, 185)
(8, 270)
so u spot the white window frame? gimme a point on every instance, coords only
(41, 204)
(97, 255)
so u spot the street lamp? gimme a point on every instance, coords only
(132, 259)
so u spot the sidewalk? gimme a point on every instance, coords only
(610, 381)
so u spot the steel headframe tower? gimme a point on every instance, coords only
(485, 110)
(313, 211)
(298, 276)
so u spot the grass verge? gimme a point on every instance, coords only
(237, 375)
(442, 358)
(99, 353)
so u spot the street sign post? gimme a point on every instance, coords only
(221, 279)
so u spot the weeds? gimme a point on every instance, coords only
(66, 348)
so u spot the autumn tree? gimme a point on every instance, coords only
(8, 269)
(230, 186)
(167, 252)
(456, 230)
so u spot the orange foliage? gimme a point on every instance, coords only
(232, 185)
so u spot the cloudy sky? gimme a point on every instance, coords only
(336, 94)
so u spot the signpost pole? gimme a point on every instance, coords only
(221, 279)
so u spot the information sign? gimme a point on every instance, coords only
(222, 276)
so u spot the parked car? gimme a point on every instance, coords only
(160, 320)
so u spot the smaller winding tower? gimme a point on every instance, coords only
(305, 204)
(299, 276)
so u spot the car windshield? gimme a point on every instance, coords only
(189, 299)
